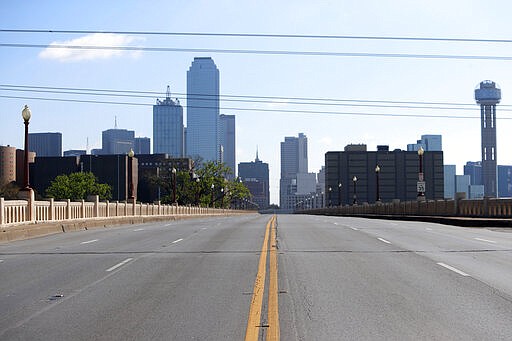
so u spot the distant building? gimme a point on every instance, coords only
(474, 170)
(228, 141)
(462, 183)
(168, 128)
(142, 145)
(488, 95)
(46, 168)
(398, 175)
(203, 110)
(476, 191)
(505, 181)
(449, 181)
(430, 143)
(117, 141)
(45, 144)
(255, 175)
(75, 152)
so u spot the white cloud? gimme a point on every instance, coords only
(96, 39)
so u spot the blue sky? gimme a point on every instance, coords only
(361, 78)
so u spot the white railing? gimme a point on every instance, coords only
(13, 212)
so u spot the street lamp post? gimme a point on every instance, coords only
(330, 201)
(26, 114)
(213, 187)
(421, 178)
(174, 202)
(339, 194)
(222, 197)
(198, 190)
(130, 175)
(354, 180)
(377, 172)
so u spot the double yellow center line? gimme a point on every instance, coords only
(254, 323)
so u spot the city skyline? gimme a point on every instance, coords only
(275, 82)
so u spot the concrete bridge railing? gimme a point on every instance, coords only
(14, 212)
(477, 208)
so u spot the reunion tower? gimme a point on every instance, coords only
(488, 95)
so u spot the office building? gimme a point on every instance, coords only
(228, 141)
(45, 144)
(488, 95)
(398, 175)
(117, 141)
(474, 170)
(430, 143)
(168, 128)
(142, 145)
(203, 110)
(449, 181)
(462, 183)
(46, 168)
(255, 175)
(505, 181)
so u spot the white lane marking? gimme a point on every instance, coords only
(485, 240)
(204, 228)
(354, 228)
(1, 260)
(168, 224)
(136, 230)
(453, 269)
(177, 241)
(335, 223)
(384, 240)
(89, 241)
(120, 264)
(428, 229)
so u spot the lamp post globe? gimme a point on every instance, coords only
(26, 114)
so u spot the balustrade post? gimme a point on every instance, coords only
(2, 211)
(83, 208)
(68, 209)
(51, 210)
(107, 212)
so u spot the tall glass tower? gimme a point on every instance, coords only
(488, 95)
(168, 130)
(203, 110)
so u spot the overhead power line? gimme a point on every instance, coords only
(261, 35)
(261, 52)
(281, 111)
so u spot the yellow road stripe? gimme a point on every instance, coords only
(273, 333)
(254, 321)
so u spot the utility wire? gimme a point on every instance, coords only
(260, 35)
(262, 52)
(288, 111)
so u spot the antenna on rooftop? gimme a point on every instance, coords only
(168, 93)
(115, 122)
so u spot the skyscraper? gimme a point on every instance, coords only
(488, 95)
(429, 143)
(203, 110)
(142, 145)
(227, 141)
(168, 130)
(117, 141)
(45, 144)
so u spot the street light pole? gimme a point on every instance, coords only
(330, 201)
(354, 180)
(174, 202)
(421, 177)
(213, 186)
(26, 114)
(377, 172)
(339, 194)
(130, 174)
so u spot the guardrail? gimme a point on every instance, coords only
(14, 212)
(475, 208)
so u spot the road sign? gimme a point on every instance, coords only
(420, 185)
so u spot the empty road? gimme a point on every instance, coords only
(314, 277)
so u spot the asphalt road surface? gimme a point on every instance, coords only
(338, 279)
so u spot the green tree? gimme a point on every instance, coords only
(77, 186)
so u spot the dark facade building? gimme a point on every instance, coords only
(75, 152)
(158, 165)
(45, 144)
(398, 175)
(255, 176)
(110, 169)
(505, 181)
(488, 95)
